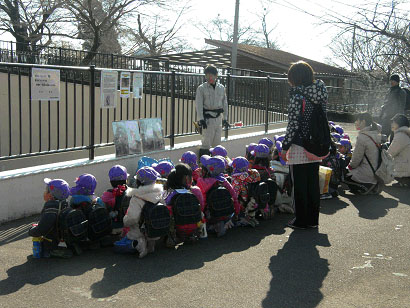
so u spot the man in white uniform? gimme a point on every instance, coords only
(212, 110)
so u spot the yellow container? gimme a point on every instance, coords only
(324, 179)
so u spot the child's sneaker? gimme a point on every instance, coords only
(125, 245)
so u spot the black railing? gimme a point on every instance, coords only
(77, 122)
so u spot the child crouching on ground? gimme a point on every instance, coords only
(146, 190)
(55, 195)
(242, 176)
(186, 204)
(212, 179)
(115, 199)
(191, 159)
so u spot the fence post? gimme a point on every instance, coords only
(267, 104)
(60, 51)
(112, 60)
(172, 130)
(11, 51)
(91, 151)
(228, 96)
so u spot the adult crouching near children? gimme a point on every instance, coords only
(308, 98)
(211, 109)
(360, 177)
(400, 150)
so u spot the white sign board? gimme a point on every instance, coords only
(138, 84)
(109, 81)
(45, 84)
(125, 83)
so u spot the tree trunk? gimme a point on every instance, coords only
(91, 54)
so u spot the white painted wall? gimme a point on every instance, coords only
(21, 190)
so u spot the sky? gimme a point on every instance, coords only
(297, 31)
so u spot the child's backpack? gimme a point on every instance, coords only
(121, 205)
(156, 219)
(99, 220)
(72, 225)
(259, 191)
(186, 209)
(219, 201)
(272, 190)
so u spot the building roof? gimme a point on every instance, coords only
(221, 57)
(278, 58)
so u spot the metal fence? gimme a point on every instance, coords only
(77, 122)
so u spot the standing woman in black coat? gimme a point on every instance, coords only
(304, 94)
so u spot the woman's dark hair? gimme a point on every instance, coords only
(117, 183)
(300, 74)
(176, 177)
(210, 69)
(365, 116)
(262, 161)
(401, 120)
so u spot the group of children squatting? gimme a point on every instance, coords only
(176, 203)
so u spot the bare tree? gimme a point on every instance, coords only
(31, 22)
(265, 32)
(95, 25)
(156, 34)
(381, 42)
(222, 29)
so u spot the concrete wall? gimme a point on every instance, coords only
(21, 190)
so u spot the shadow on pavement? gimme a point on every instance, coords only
(331, 206)
(123, 271)
(401, 193)
(298, 271)
(16, 230)
(128, 271)
(372, 206)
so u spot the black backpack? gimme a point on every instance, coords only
(99, 222)
(121, 205)
(273, 190)
(219, 201)
(186, 209)
(156, 219)
(259, 191)
(315, 133)
(72, 225)
(407, 98)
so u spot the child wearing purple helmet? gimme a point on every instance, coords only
(241, 176)
(191, 159)
(248, 154)
(146, 190)
(55, 195)
(115, 199)
(212, 178)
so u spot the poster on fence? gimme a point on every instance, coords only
(45, 84)
(109, 81)
(127, 139)
(125, 83)
(151, 134)
(138, 84)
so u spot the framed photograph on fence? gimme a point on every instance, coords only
(151, 134)
(127, 139)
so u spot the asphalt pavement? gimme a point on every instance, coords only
(359, 257)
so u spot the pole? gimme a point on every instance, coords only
(91, 150)
(235, 38)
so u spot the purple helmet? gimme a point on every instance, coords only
(219, 150)
(58, 188)
(118, 173)
(339, 129)
(147, 175)
(336, 136)
(240, 164)
(251, 147)
(85, 184)
(267, 142)
(190, 159)
(261, 151)
(164, 168)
